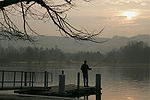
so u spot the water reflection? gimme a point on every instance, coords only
(86, 97)
(118, 83)
(97, 96)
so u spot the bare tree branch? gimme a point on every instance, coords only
(54, 12)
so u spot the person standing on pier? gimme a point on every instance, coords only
(85, 69)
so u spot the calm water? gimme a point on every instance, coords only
(117, 83)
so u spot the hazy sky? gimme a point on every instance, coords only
(119, 17)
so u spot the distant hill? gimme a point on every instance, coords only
(71, 45)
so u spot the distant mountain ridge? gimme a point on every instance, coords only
(71, 45)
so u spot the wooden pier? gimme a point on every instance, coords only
(63, 90)
(27, 81)
(70, 91)
(23, 79)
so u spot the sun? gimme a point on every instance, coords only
(129, 14)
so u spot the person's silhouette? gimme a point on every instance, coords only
(85, 69)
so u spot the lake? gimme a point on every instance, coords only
(127, 83)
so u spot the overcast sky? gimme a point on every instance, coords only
(119, 17)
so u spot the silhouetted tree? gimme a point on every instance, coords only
(51, 9)
(135, 52)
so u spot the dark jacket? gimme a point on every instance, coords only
(85, 68)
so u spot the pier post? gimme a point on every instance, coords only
(32, 79)
(51, 77)
(98, 85)
(61, 83)
(14, 78)
(98, 96)
(2, 78)
(25, 78)
(78, 81)
(21, 78)
(62, 72)
(45, 79)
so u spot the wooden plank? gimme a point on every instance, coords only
(70, 91)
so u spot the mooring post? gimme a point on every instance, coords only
(62, 72)
(78, 81)
(45, 79)
(32, 79)
(51, 77)
(2, 78)
(62, 83)
(21, 78)
(98, 85)
(25, 78)
(98, 96)
(14, 78)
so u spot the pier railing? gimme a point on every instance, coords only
(20, 79)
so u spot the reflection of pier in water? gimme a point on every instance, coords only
(97, 97)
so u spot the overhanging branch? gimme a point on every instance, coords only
(53, 11)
